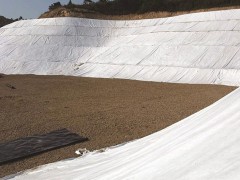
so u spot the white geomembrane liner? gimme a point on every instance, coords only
(200, 48)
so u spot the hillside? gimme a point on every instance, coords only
(138, 9)
(4, 21)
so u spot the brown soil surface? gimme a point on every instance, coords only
(107, 111)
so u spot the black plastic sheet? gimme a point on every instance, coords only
(29, 146)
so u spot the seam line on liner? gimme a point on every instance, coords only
(116, 36)
(164, 66)
(127, 27)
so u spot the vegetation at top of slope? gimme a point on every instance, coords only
(136, 8)
(4, 21)
(142, 6)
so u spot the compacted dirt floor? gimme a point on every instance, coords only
(107, 111)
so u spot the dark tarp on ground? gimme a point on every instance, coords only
(28, 146)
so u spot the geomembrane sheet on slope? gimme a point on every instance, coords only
(198, 48)
(28, 146)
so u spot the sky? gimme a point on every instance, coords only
(28, 9)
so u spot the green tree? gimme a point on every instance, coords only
(70, 3)
(103, 1)
(54, 5)
(87, 2)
